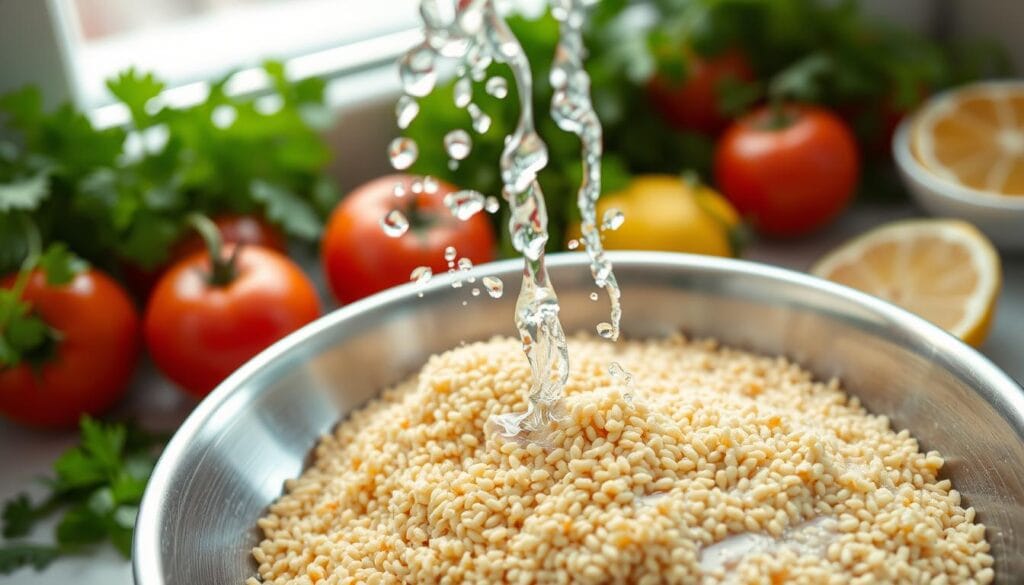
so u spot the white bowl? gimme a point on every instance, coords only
(1001, 217)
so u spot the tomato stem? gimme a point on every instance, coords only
(778, 117)
(222, 270)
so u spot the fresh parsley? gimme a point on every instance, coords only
(119, 196)
(97, 488)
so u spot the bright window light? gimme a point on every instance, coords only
(186, 42)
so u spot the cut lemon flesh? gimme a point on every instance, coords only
(974, 136)
(943, 270)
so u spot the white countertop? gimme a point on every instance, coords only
(26, 455)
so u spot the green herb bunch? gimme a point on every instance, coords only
(96, 490)
(119, 196)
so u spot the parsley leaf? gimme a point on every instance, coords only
(135, 90)
(25, 193)
(288, 210)
(97, 488)
(59, 264)
(18, 555)
(19, 515)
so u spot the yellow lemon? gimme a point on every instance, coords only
(943, 270)
(665, 212)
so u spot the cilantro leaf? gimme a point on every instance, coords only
(59, 264)
(80, 526)
(19, 515)
(287, 209)
(14, 556)
(98, 487)
(24, 194)
(135, 90)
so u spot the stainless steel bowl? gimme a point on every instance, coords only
(229, 459)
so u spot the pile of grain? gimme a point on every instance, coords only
(713, 464)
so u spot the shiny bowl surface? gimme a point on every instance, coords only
(229, 459)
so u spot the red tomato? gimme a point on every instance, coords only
(875, 122)
(359, 259)
(789, 176)
(198, 332)
(692, 104)
(95, 355)
(240, 229)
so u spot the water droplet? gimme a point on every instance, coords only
(612, 220)
(463, 91)
(406, 110)
(491, 204)
(465, 263)
(481, 121)
(475, 292)
(464, 303)
(420, 294)
(399, 190)
(620, 374)
(403, 152)
(605, 330)
(495, 287)
(421, 274)
(593, 296)
(416, 186)
(573, 244)
(449, 254)
(394, 223)
(509, 48)
(497, 87)
(417, 71)
(456, 284)
(453, 165)
(464, 204)
(458, 144)
(430, 185)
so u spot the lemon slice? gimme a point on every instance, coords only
(974, 136)
(943, 270)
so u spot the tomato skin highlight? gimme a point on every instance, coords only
(198, 333)
(692, 103)
(359, 259)
(792, 179)
(95, 356)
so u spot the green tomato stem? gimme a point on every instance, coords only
(222, 270)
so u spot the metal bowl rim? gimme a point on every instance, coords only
(146, 558)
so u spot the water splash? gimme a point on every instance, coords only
(497, 87)
(402, 152)
(475, 33)
(394, 223)
(612, 220)
(463, 92)
(491, 204)
(480, 121)
(458, 144)
(421, 275)
(464, 204)
(572, 110)
(494, 285)
(406, 110)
